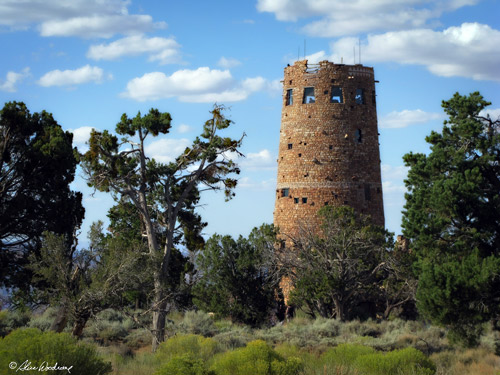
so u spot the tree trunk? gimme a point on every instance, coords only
(61, 319)
(339, 310)
(80, 323)
(159, 316)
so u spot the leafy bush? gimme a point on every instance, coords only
(398, 362)
(50, 348)
(194, 346)
(138, 338)
(257, 358)
(198, 323)
(184, 365)
(345, 355)
(44, 320)
(12, 319)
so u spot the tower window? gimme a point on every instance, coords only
(360, 96)
(295, 200)
(330, 147)
(337, 96)
(285, 192)
(374, 100)
(304, 200)
(359, 136)
(309, 95)
(300, 155)
(368, 196)
(289, 97)
(290, 146)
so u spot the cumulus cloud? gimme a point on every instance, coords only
(340, 17)
(83, 18)
(12, 78)
(251, 184)
(464, 51)
(261, 160)
(203, 85)
(407, 117)
(493, 113)
(81, 136)
(164, 50)
(228, 63)
(165, 150)
(79, 76)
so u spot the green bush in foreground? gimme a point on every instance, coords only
(257, 358)
(404, 361)
(184, 365)
(193, 346)
(48, 349)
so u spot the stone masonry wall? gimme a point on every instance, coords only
(329, 150)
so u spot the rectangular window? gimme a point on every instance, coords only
(308, 95)
(290, 146)
(360, 96)
(359, 136)
(295, 200)
(368, 196)
(289, 97)
(285, 192)
(304, 200)
(337, 96)
(374, 99)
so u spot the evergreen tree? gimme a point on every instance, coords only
(452, 217)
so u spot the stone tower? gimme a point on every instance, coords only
(329, 150)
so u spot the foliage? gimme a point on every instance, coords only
(408, 360)
(184, 365)
(257, 358)
(335, 270)
(37, 165)
(164, 196)
(237, 280)
(13, 319)
(195, 346)
(451, 216)
(51, 348)
(198, 323)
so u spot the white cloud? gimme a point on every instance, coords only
(494, 113)
(393, 188)
(407, 117)
(249, 184)
(98, 26)
(83, 18)
(261, 160)
(165, 150)
(183, 128)
(394, 173)
(464, 51)
(228, 63)
(203, 85)
(164, 50)
(12, 78)
(81, 136)
(79, 76)
(340, 17)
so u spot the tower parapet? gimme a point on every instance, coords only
(329, 150)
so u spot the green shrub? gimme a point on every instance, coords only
(184, 365)
(398, 362)
(138, 338)
(13, 319)
(43, 321)
(344, 355)
(194, 346)
(198, 323)
(257, 358)
(37, 347)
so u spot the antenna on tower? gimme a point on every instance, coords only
(359, 41)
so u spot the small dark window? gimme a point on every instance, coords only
(304, 200)
(326, 203)
(359, 136)
(368, 196)
(374, 100)
(290, 146)
(378, 190)
(330, 147)
(295, 200)
(289, 97)
(309, 95)
(337, 96)
(285, 192)
(360, 96)
(300, 155)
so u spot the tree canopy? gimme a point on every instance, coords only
(452, 217)
(37, 165)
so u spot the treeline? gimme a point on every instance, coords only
(153, 259)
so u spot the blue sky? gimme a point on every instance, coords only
(89, 61)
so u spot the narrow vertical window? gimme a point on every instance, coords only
(289, 97)
(309, 95)
(374, 99)
(360, 96)
(290, 146)
(359, 136)
(285, 192)
(295, 200)
(337, 96)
